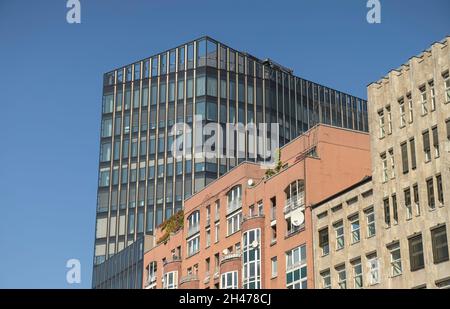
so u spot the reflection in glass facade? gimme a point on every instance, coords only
(121, 271)
(140, 182)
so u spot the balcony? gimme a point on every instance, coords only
(293, 203)
(230, 256)
(150, 280)
(216, 274)
(188, 278)
(206, 279)
(273, 213)
(233, 205)
(193, 229)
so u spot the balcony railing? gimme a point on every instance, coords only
(234, 205)
(193, 229)
(216, 273)
(191, 277)
(150, 280)
(293, 266)
(230, 256)
(206, 279)
(294, 203)
(273, 213)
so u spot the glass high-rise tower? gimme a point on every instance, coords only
(140, 182)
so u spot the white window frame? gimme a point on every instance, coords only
(339, 233)
(232, 284)
(341, 277)
(193, 245)
(170, 276)
(381, 123)
(274, 266)
(355, 230)
(374, 270)
(234, 223)
(396, 263)
(357, 275)
(295, 262)
(423, 100)
(370, 222)
(402, 113)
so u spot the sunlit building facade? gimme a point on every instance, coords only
(141, 183)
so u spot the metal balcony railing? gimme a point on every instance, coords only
(294, 202)
(234, 205)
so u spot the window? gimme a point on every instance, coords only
(217, 232)
(426, 145)
(234, 199)
(408, 206)
(211, 89)
(370, 217)
(341, 277)
(104, 177)
(170, 280)
(394, 208)
(357, 274)
(435, 141)
(401, 103)
(389, 119)
(201, 81)
(234, 223)
(392, 163)
(105, 152)
(229, 280)
(339, 231)
(423, 100)
(440, 246)
(447, 87)
(404, 150)
(374, 272)
(387, 212)
(447, 124)
(193, 245)
(151, 274)
(208, 238)
(440, 191)
(274, 264)
(354, 229)
(324, 242)
(326, 279)
(416, 253)
(384, 165)
(107, 127)
(108, 103)
(396, 261)
(432, 95)
(193, 222)
(416, 199)
(181, 61)
(296, 272)
(430, 193)
(410, 108)
(381, 131)
(412, 148)
(251, 259)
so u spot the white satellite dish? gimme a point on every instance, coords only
(254, 244)
(297, 217)
(225, 251)
(250, 182)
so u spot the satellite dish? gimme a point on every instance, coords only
(250, 182)
(297, 217)
(255, 244)
(225, 251)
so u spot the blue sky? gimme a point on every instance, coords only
(51, 82)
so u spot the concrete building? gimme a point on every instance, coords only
(252, 230)
(409, 121)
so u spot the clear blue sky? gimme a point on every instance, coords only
(51, 83)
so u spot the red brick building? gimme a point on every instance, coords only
(249, 230)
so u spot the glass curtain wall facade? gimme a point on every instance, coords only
(140, 182)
